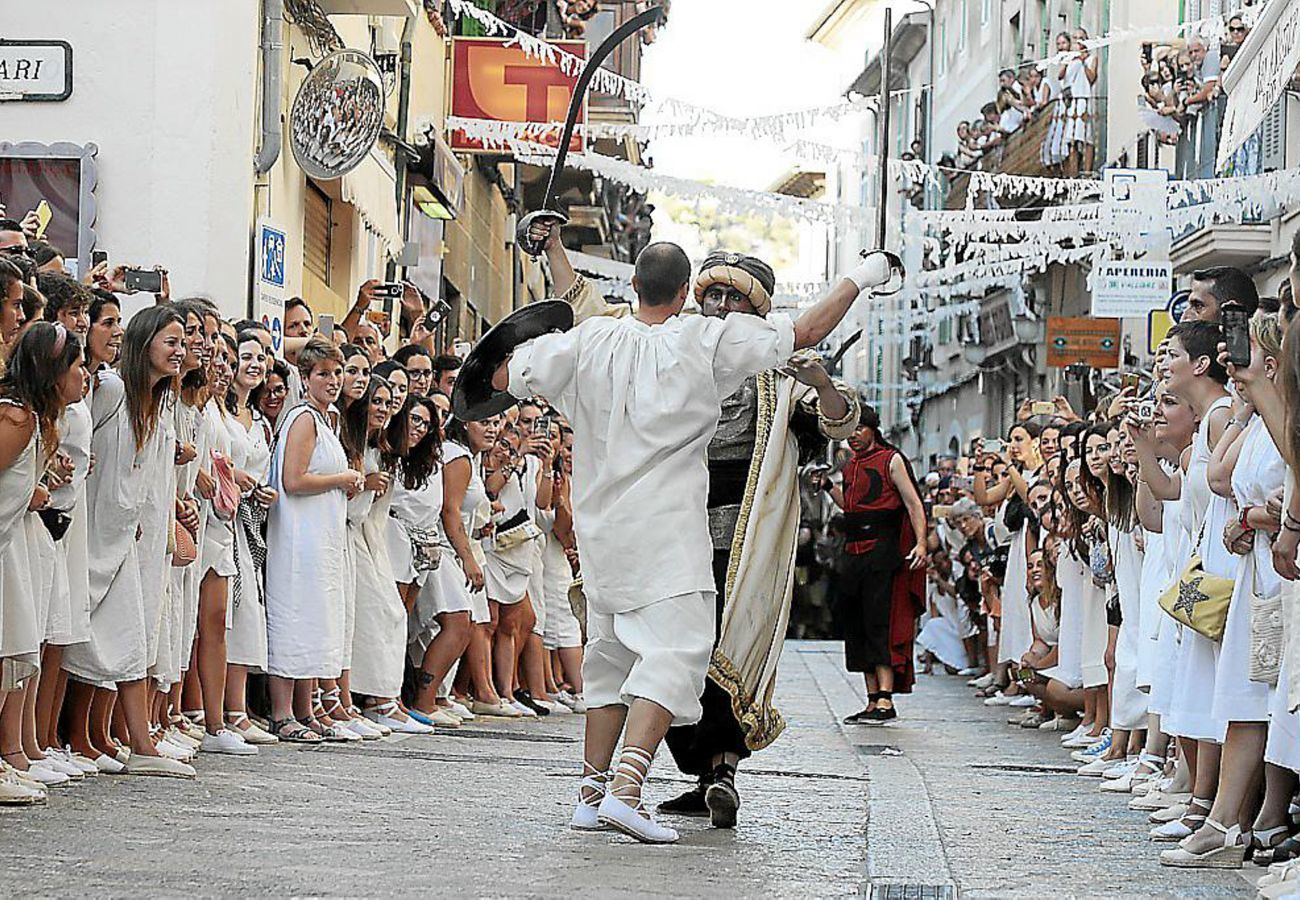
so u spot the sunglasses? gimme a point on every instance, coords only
(1237, 29)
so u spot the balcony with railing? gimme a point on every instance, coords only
(1066, 138)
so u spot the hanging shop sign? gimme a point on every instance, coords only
(1130, 289)
(498, 81)
(1074, 341)
(1259, 74)
(35, 70)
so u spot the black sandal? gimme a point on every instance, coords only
(292, 731)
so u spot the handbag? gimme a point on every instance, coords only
(426, 545)
(1266, 639)
(225, 502)
(184, 550)
(56, 522)
(1199, 600)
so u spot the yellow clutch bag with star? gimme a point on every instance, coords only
(1199, 600)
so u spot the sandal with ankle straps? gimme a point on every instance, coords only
(292, 731)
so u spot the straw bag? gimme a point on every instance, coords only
(1199, 600)
(1265, 636)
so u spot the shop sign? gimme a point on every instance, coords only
(1085, 341)
(1130, 289)
(35, 70)
(495, 80)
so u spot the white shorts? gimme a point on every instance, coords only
(659, 652)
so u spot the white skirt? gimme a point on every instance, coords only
(1163, 668)
(939, 636)
(21, 630)
(246, 637)
(379, 633)
(1236, 697)
(507, 573)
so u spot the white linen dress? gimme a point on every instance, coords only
(1259, 471)
(246, 638)
(1128, 704)
(117, 493)
(379, 636)
(70, 610)
(305, 564)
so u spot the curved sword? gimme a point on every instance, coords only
(652, 16)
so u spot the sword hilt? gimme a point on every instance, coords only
(526, 232)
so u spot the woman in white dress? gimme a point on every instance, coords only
(1055, 150)
(251, 453)
(134, 447)
(332, 697)
(68, 621)
(306, 540)
(44, 373)
(466, 517)
(1195, 375)
(379, 634)
(89, 708)
(1078, 76)
(432, 583)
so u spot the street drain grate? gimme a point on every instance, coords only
(912, 892)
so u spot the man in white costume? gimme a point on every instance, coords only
(644, 394)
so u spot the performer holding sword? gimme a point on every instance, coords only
(644, 394)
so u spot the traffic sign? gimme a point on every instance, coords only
(1083, 341)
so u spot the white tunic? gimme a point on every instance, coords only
(644, 402)
(305, 564)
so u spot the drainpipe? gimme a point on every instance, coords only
(272, 58)
(399, 154)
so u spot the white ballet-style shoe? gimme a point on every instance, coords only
(586, 815)
(108, 765)
(634, 821)
(158, 767)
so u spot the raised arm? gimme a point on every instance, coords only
(814, 325)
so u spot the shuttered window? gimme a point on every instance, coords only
(317, 219)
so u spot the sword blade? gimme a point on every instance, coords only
(652, 16)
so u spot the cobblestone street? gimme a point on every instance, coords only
(949, 797)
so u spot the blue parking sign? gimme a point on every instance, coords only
(271, 256)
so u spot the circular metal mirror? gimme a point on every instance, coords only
(337, 114)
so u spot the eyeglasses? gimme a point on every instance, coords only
(419, 373)
(277, 391)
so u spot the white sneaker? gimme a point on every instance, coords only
(49, 777)
(1023, 701)
(500, 709)
(108, 765)
(522, 710)
(65, 753)
(1079, 731)
(557, 708)
(172, 751)
(460, 710)
(408, 725)
(1171, 832)
(58, 764)
(366, 730)
(998, 699)
(983, 681)
(633, 821)
(227, 741)
(1096, 768)
(968, 671)
(182, 739)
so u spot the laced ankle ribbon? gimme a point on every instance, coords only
(634, 765)
(594, 780)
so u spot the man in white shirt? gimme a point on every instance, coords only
(643, 394)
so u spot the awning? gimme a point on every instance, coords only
(1259, 73)
(612, 277)
(371, 189)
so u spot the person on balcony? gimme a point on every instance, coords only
(1078, 76)
(1055, 150)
